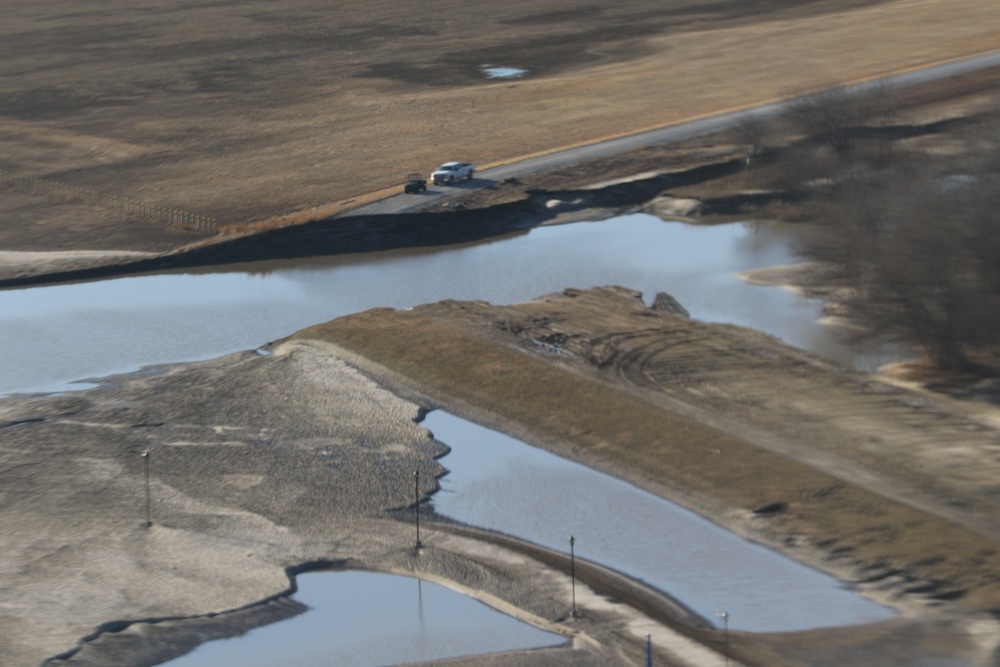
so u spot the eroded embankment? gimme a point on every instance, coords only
(319, 237)
(369, 233)
(727, 420)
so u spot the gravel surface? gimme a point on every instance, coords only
(259, 465)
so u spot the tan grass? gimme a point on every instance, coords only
(614, 427)
(312, 132)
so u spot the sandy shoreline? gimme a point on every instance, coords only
(806, 279)
(243, 490)
(199, 533)
(25, 264)
(225, 530)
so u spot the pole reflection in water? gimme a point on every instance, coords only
(357, 619)
(500, 483)
(420, 601)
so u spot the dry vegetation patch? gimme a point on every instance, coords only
(611, 421)
(255, 111)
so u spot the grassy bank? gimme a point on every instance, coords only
(607, 424)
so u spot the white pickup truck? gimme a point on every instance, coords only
(450, 172)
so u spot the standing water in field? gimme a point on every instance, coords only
(500, 483)
(360, 619)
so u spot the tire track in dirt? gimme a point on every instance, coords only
(905, 446)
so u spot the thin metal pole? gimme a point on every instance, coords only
(416, 504)
(572, 573)
(649, 650)
(149, 511)
(725, 624)
(724, 615)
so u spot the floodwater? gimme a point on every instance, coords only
(497, 482)
(363, 619)
(56, 335)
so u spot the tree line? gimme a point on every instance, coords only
(914, 241)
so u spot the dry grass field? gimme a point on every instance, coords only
(252, 110)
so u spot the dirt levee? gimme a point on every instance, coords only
(839, 467)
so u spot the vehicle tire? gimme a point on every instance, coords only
(471, 174)
(451, 179)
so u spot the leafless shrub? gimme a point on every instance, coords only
(795, 167)
(883, 102)
(841, 118)
(981, 145)
(921, 260)
(751, 133)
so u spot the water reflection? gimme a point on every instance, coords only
(500, 483)
(55, 335)
(363, 619)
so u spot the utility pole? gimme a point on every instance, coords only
(416, 504)
(572, 574)
(724, 615)
(149, 509)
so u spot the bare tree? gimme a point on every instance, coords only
(841, 117)
(830, 116)
(883, 102)
(920, 260)
(751, 133)
(981, 139)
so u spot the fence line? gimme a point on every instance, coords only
(108, 200)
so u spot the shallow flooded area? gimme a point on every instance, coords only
(500, 72)
(64, 333)
(361, 619)
(497, 482)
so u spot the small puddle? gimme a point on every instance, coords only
(503, 484)
(494, 72)
(361, 619)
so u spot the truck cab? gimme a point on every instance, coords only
(449, 172)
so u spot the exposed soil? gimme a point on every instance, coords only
(886, 487)
(264, 464)
(257, 113)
